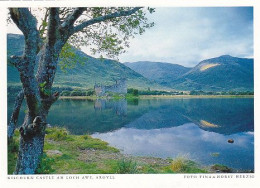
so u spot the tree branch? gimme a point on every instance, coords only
(103, 18)
(15, 114)
(53, 25)
(43, 26)
(70, 19)
(27, 23)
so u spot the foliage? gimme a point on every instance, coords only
(183, 165)
(157, 92)
(13, 148)
(133, 91)
(111, 37)
(69, 58)
(78, 92)
(126, 166)
(44, 90)
(57, 134)
(45, 166)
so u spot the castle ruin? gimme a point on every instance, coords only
(119, 87)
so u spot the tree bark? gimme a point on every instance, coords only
(31, 146)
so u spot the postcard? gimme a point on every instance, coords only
(132, 94)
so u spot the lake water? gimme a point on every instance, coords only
(198, 129)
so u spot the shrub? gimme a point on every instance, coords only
(12, 154)
(126, 166)
(90, 92)
(45, 166)
(179, 164)
(78, 93)
(57, 134)
(132, 91)
(183, 165)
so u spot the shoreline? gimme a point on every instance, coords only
(65, 153)
(160, 97)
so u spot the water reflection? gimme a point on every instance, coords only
(225, 116)
(185, 140)
(118, 106)
(198, 128)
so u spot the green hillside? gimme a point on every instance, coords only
(163, 73)
(85, 73)
(223, 73)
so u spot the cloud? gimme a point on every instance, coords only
(188, 35)
(185, 140)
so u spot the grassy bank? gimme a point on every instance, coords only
(72, 154)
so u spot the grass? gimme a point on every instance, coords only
(13, 146)
(126, 166)
(81, 154)
(184, 165)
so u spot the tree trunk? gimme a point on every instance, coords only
(32, 132)
(37, 89)
(31, 145)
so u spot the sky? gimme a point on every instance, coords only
(189, 35)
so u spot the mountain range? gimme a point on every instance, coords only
(224, 73)
(86, 73)
(163, 73)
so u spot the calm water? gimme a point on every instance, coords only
(195, 128)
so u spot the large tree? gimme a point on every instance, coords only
(47, 41)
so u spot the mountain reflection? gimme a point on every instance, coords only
(225, 116)
(196, 128)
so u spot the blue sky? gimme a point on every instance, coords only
(188, 35)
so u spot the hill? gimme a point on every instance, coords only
(222, 73)
(163, 73)
(84, 74)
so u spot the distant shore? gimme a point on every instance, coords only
(162, 97)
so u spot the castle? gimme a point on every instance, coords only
(119, 87)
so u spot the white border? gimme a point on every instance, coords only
(142, 181)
